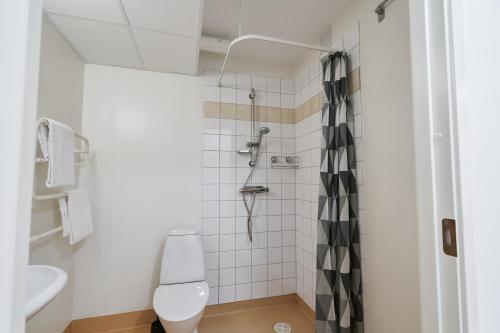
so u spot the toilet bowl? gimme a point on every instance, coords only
(183, 293)
(180, 306)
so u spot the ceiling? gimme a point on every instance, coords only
(164, 35)
(298, 20)
(159, 35)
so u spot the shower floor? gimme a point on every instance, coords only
(248, 317)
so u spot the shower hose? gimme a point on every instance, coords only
(250, 203)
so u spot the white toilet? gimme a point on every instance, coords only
(181, 298)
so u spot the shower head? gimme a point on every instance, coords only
(264, 130)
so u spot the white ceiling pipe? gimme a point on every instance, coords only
(214, 45)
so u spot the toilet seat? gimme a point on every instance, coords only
(179, 302)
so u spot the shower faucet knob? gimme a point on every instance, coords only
(251, 163)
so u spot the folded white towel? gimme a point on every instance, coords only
(76, 216)
(56, 143)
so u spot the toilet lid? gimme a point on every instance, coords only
(178, 302)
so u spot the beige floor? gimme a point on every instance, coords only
(259, 320)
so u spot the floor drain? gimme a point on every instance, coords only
(282, 328)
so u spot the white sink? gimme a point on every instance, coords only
(44, 283)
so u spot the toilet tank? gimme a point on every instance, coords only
(182, 259)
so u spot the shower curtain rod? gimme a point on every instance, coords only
(267, 39)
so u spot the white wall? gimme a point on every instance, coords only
(20, 27)
(389, 224)
(145, 177)
(476, 55)
(60, 98)
(390, 219)
(238, 269)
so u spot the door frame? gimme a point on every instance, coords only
(20, 33)
(431, 23)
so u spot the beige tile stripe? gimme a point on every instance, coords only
(234, 111)
(143, 318)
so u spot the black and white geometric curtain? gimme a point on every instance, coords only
(339, 294)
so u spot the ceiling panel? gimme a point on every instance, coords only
(103, 10)
(179, 17)
(296, 20)
(167, 53)
(99, 43)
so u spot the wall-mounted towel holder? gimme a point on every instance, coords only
(83, 151)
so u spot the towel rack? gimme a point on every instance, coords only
(84, 149)
(45, 234)
(84, 146)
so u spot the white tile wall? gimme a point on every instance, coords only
(237, 269)
(282, 257)
(307, 143)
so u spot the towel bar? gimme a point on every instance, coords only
(45, 234)
(84, 146)
(49, 196)
(84, 149)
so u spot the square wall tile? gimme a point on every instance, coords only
(274, 255)
(259, 290)
(259, 273)
(274, 288)
(289, 270)
(210, 226)
(227, 225)
(243, 258)
(229, 80)
(227, 242)
(259, 83)
(227, 259)
(210, 209)
(287, 86)
(227, 294)
(228, 95)
(227, 276)
(242, 242)
(273, 85)
(259, 256)
(274, 272)
(243, 292)
(273, 99)
(243, 81)
(244, 274)
(289, 286)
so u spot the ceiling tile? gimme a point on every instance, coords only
(99, 43)
(102, 10)
(167, 53)
(179, 17)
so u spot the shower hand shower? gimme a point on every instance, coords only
(252, 190)
(262, 131)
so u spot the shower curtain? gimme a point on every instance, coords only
(339, 296)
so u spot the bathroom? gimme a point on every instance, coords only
(219, 149)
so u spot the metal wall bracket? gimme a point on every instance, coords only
(380, 10)
(284, 161)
